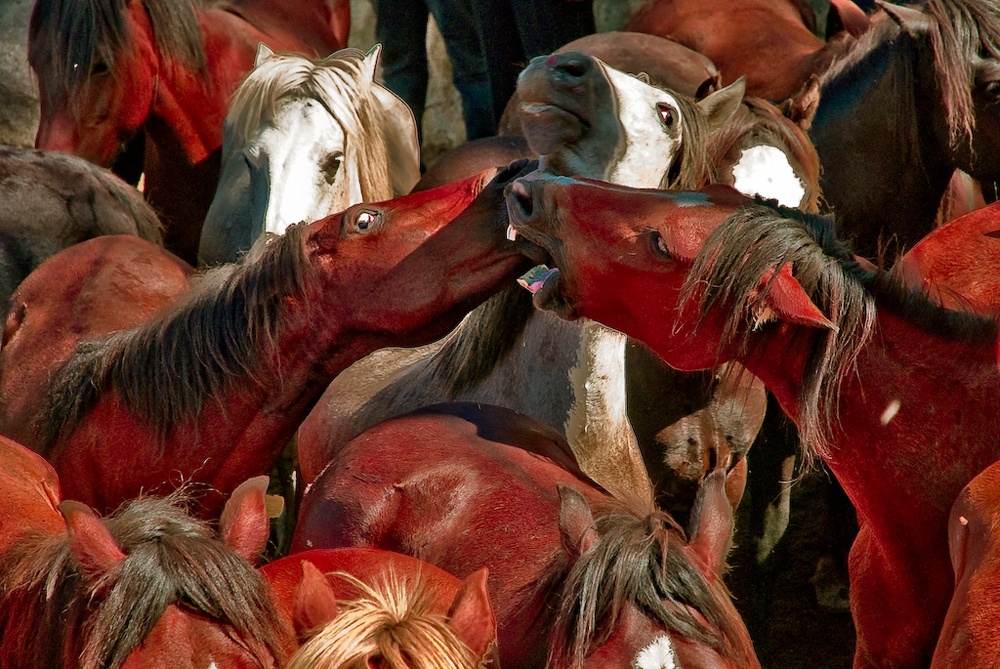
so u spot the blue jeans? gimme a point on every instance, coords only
(401, 27)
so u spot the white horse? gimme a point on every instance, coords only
(305, 139)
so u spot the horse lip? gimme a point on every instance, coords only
(520, 206)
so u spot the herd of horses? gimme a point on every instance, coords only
(521, 387)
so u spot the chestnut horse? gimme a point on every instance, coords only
(914, 99)
(149, 587)
(29, 494)
(212, 390)
(896, 393)
(772, 43)
(305, 139)
(53, 200)
(465, 486)
(357, 607)
(157, 76)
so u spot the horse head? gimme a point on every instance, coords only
(637, 595)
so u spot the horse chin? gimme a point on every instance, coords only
(548, 128)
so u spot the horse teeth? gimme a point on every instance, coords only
(511, 232)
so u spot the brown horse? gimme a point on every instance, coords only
(149, 587)
(247, 355)
(29, 494)
(893, 391)
(155, 78)
(465, 486)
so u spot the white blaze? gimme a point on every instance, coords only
(659, 654)
(765, 171)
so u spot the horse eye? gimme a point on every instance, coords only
(667, 113)
(331, 167)
(992, 90)
(365, 220)
(661, 245)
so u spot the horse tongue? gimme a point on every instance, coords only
(535, 278)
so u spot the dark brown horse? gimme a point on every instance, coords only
(577, 579)
(247, 355)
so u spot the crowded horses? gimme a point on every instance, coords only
(483, 474)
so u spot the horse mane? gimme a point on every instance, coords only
(68, 38)
(190, 354)
(726, 278)
(693, 167)
(338, 83)
(392, 625)
(171, 558)
(640, 558)
(756, 122)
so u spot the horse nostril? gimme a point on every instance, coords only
(522, 198)
(571, 70)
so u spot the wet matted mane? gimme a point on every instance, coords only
(171, 558)
(337, 83)
(963, 31)
(640, 558)
(726, 277)
(167, 369)
(73, 39)
(393, 624)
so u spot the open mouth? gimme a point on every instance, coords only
(544, 280)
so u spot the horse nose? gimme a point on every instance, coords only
(570, 68)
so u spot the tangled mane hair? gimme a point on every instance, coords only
(52, 609)
(392, 625)
(338, 82)
(640, 559)
(68, 39)
(726, 278)
(190, 354)
(692, 168)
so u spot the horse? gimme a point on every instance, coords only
(356, 607)
(30, 496)
(464, 486)
(144, 86)
(150, 586)
(577, 373)
(892, 390)
(305, 139)
(914, 99)
(773, 44)
(52, 201)
(248, 352)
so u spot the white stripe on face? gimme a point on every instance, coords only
(659, 654)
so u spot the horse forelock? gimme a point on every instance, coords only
(692, 168)
(338, 82)
(68, 38)
(641, 558)
(191, 354)
(170, 559)
(750, 244)
(393, 625)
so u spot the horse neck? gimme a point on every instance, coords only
(314, 26)
(873, 171)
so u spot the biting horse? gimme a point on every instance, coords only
(149, 587)
(576, 373)
(156, 77)
(465, 486)
(53, 200)
(893, 391)
(357, 607)
(305, 139)
(915, 98)
(211, 390)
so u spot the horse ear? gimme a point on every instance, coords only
(801, 108)
(576, 521)
(781, 296)
(263, 53)
(371, 61)
(711, 524)
(913, 21)
(315, 601)
(847, 16)
(90, 543)
(244, 524)
(720, 106)
(471, 614)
